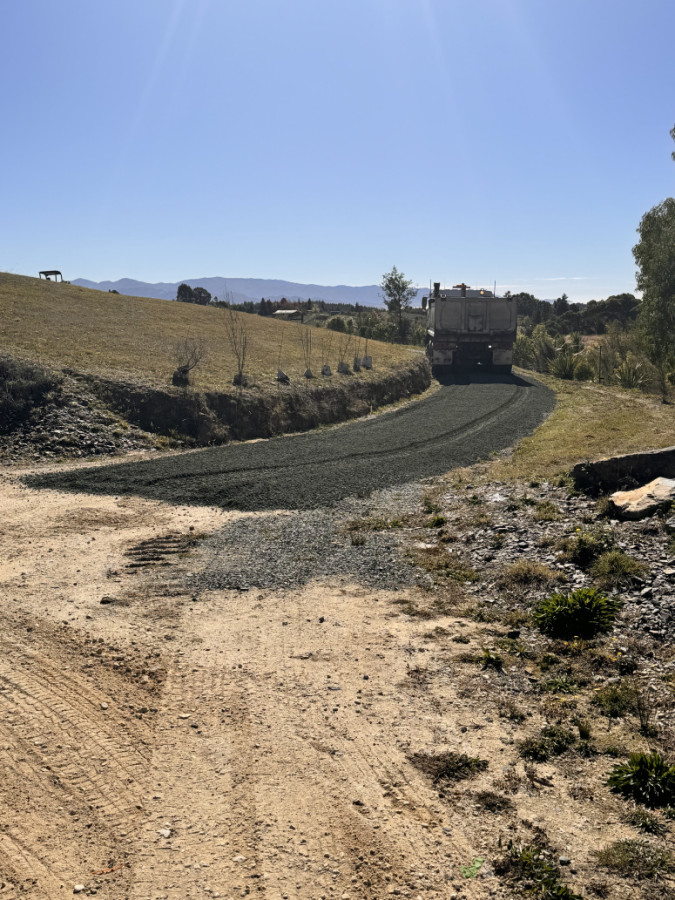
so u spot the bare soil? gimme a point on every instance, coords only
(161, 743)
(154, 747)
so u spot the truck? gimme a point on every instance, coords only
(469, 329)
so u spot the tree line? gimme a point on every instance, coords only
(635, 346)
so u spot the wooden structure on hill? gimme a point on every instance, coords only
(51, 273)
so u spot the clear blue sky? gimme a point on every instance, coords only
(327, 140)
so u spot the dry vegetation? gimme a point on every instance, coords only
(93, 331)
(590, 421)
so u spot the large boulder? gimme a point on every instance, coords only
(644, 501)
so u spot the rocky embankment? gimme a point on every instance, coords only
(72, 424)
(89, 415)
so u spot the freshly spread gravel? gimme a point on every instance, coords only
(489, 526)
(282, 551)
(457, 425)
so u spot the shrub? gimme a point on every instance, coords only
(616, 569)
(526, 865)
(551, 741)
(584, 547)
(616, 700)
(635, 859)
(631, 373)
(583, 371)
(583, 613)
(523, 352)
(562, 366)
(646, 778)
(23, 386)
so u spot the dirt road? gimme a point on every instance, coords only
(252, 742)
(460, 423)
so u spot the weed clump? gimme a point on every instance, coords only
(531, 873)
(616, 700)
(492, 802)
(646, 778)
(552, 740)
(583, 613)
(448, 766)
(491, 660)
(584, 547)
(636, 859)
(616, 569)
(645, 821)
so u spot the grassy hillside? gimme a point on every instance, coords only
(65, 325)
(590, 421)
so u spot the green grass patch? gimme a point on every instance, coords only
(583, 613)
(646, 778)
(590, 421)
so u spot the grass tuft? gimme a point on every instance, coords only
(449, 766)
(616, 569)
(583, 613)
(646, 778)
(552, 740)
(636, 859)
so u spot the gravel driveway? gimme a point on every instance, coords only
(461, 423)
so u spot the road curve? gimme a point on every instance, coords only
(464, 421)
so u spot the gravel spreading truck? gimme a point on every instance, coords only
(469, 329)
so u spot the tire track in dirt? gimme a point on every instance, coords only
(262, 787)
(70, 768)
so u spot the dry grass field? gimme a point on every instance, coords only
(590, 421)
(111, 334)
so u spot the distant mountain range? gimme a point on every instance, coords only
(239, 290)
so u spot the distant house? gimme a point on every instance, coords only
(289, 315)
